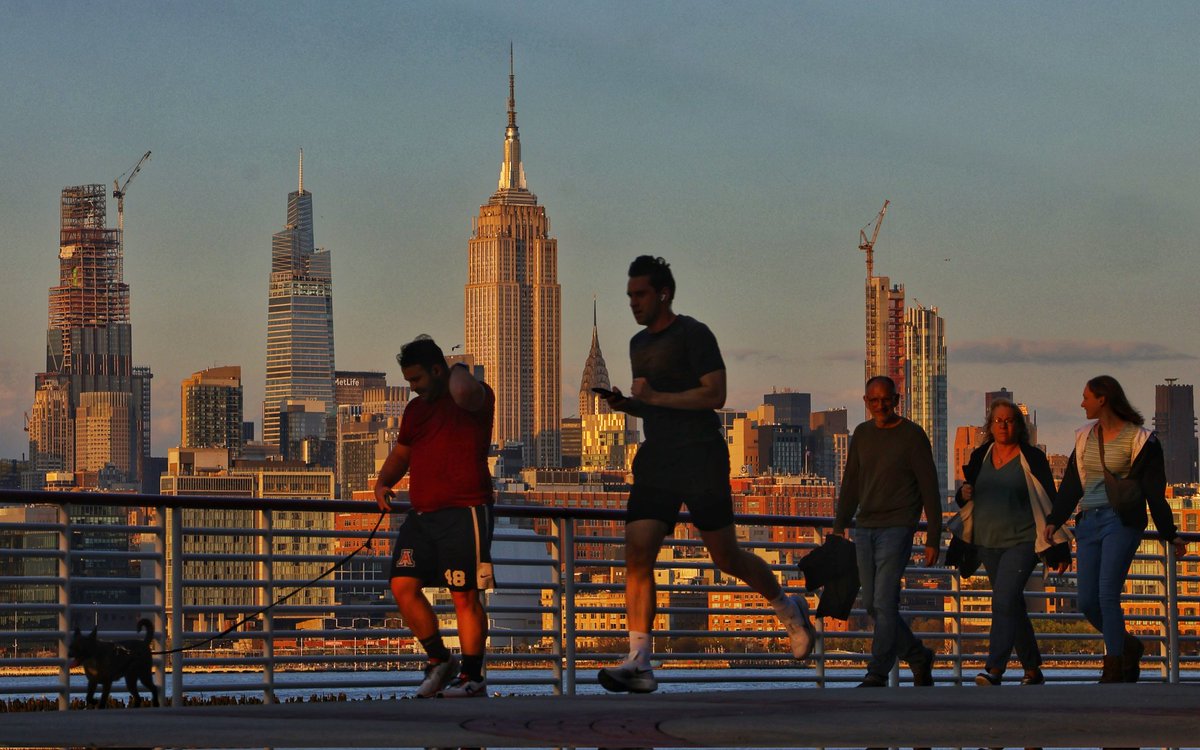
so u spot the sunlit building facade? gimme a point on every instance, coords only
(512, 308)
(211, 410)
(925, 362)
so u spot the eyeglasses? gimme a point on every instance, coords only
(1006, 422)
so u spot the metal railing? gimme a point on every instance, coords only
(195, 565)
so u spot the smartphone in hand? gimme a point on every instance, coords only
(604, 392)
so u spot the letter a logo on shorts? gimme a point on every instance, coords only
(406, 559)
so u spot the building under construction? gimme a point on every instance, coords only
(89, 338)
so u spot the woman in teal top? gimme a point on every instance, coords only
(1009, 488)
(1107, 537)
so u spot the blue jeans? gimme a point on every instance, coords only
(882, 556)
(1009, 568)
(1104, 550)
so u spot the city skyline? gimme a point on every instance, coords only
(1038, 160)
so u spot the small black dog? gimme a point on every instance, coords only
(105, 661)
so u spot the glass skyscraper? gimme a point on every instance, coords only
(925, 362)
(299, 316)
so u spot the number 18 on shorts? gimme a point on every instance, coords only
(450, 547)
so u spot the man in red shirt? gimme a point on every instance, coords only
(446, 538)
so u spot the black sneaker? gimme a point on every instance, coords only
(922, 668)
(1033, 677)
(873, 680)
(988, 679)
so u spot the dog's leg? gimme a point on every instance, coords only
(91, 696)
(107, 686)
(148, 681)
(131, 682)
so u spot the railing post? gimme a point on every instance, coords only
(160, 585)
(955, 628)
(567, 546)
(175, 599)
(64, 601)
(1172, 603)
(266, 521)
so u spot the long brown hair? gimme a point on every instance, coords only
(1106, 386)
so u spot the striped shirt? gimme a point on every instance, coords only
(1118, 457)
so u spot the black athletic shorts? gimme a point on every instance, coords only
(696, 475)
(450, 548)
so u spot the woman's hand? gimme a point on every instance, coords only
(1180, 547)
(1048, 534)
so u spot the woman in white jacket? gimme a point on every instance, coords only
(1007, 493)
(1108, 531)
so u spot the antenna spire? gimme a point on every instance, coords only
(301, 190)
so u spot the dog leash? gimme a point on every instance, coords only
(280, 600)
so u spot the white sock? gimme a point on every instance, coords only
(641, 645)
(785, 608)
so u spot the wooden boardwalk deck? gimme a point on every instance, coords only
(1145, 715)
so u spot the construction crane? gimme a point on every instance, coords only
(119, 190)
(868, 246)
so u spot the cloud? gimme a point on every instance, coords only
(759, 356)
(1061, 351)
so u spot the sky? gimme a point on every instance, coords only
(1040, 158)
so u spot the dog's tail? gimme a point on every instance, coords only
(144, 624)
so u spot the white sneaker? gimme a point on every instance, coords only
(437, 676)
(628, 678)
(464, 687)
(800, 630)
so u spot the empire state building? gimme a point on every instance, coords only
(513, 315)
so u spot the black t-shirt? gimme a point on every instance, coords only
(673, 360)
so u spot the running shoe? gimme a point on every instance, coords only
(437, 676)
(628, 678)
(464, 687)
(800, 630)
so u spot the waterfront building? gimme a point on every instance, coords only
(211, 409)
(925, 365)
(512, 308)
(205, 471)
(293, 480)
(1175, 423)
(299, 318)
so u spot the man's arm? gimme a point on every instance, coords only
(710, 394)
(395, 467)
(466, 391)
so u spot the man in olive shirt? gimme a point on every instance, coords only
(890, 477)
